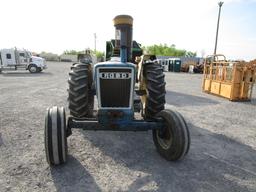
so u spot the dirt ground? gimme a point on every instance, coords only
(222, 156)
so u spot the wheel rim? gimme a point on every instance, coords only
(33, 69)
(164, 137)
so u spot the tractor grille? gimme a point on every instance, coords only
(115, 87)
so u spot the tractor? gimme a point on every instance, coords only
(131, 97)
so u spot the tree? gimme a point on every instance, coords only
(166, 50)
(71, 52)
(99, 54)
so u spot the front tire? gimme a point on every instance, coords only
(55, 136)
(173, 141)
(80, 81)
(33, 68)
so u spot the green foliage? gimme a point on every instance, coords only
(98, 54)
(49, 56)
(72, 52)
(166, 50)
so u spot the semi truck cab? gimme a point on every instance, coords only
(15, 58)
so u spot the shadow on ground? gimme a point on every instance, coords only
(214, 163)
(182, 99)
(73, 177)
(252, 102)
(1, 140)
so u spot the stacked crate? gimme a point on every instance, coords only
(232, 80)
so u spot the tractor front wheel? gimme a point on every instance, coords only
(172, 141)
(55, 136)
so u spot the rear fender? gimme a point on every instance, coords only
(142, 61)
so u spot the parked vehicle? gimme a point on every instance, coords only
(122, 89)
(20, 58)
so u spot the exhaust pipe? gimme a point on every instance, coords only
(123, 36)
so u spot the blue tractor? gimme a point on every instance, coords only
(131, 97)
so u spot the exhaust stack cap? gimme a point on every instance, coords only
(123, 20)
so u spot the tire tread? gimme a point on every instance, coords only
(155, 85)
(80, 101)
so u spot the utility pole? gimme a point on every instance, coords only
(217, 32)
(95, 37)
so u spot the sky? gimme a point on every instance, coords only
(58, 25)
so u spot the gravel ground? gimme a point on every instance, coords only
(221, 158)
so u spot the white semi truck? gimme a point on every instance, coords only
(20, 58)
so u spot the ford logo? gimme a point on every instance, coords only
(115, 75)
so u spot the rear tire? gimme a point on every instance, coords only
(55, 136)
(155, 88)
(173, 141)
(80, 81)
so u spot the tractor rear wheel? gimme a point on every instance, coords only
(155, 89)
(55, 137)
(173, 141)
(81, 102)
